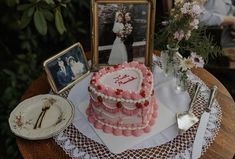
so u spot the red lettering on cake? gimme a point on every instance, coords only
(123, 79)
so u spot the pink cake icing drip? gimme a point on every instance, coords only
(125, 132)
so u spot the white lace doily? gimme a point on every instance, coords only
(77, 145)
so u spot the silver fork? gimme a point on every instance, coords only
(46, 107)
(39, 117)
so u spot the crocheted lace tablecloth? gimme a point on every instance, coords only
(78, 145)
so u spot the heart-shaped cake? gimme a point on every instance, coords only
(122, 99)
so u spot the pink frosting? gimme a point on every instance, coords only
(155, 107)
(154, 114)
(135, 96)
(126, 95)
(130, 112)
(110, 92)
(98, 125)
(111, 69)
(113, 111)
(114, 107)
(152, 122)
(127, 132)
(102, 71)
(134, 64)
(137, 132)
(117, 132)
(147, 129)
(142, 68)
(107, 129)
(99, 117)
(91, 119)
(88, 111)
(117, 67)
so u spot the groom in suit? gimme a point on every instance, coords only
(129, 39)
(64, 74)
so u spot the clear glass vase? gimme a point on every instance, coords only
(168, 61)
(181, 81)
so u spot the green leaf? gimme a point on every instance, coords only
(30, 11)
(26, 17)
(25, 20)
(26, 45)
(12, 3)
(33, 1)
(8, 72)
(23, 6)
(40, 22)
(63, 5)
(66, 1)
(21, 56)
(49, 1)
(48, 15)
(59, 22)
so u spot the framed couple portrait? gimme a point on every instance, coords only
(66, 68)
(122, 30)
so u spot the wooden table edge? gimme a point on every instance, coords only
(43, 87)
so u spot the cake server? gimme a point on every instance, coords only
(187, 119)
(197, 145)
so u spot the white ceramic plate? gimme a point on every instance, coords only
(23, 118)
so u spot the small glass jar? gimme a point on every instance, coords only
(181, 81)
(168, 61)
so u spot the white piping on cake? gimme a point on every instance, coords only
(105, 103)
(119, 99)
(128, 128)
(102, 112)
(122, 99)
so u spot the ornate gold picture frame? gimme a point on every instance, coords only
(66, 68)
(122, 30)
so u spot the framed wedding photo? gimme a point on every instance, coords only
(66, 68)
(122, 30)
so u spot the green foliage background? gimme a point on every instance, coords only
(30, 32)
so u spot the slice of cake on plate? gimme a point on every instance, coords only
(122, 100)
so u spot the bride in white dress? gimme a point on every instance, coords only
(77, 68)
(118, 53)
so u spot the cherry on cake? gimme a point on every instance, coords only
(122, 100)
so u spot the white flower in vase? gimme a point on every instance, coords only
(196, 9)
(186, 8)
(195, 23)
(197, 60)
(186, 64)
(188, 35)
(179, 35)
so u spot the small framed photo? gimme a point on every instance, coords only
(122, 30)
(66, 68)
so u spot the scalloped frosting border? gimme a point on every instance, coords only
(146, 88)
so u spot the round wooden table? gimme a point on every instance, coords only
(223, 146)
